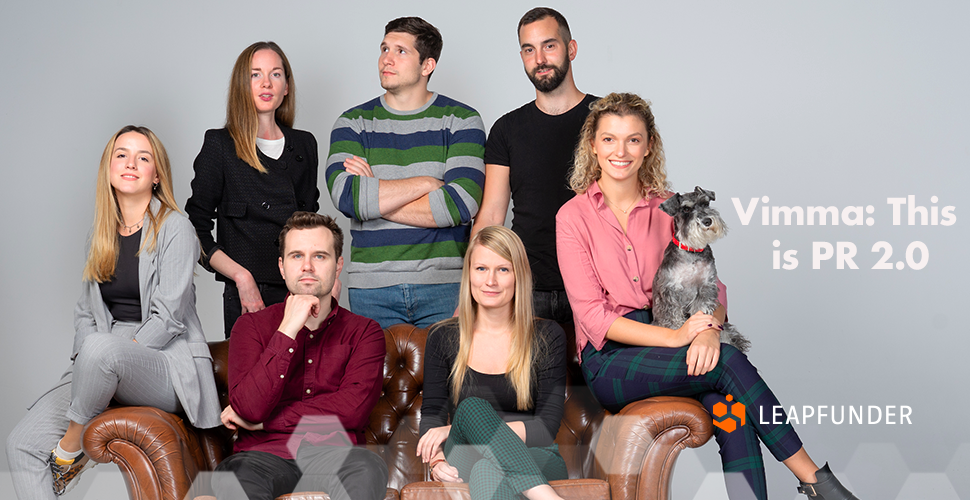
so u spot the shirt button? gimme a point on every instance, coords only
(265, 205)
(308, 391)
(635, 280)
(291, 349)
(629, 248)
(281, 376)
(309, 361)
(311, 335)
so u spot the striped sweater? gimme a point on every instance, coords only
(444, 139)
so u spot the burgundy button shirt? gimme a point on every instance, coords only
(320, 387)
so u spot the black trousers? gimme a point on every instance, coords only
(232, 309)
(552, 305)
(344, 472)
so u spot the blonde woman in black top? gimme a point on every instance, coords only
(498, 375)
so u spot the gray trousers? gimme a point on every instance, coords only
(109, 365)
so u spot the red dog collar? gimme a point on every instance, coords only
(685, 247)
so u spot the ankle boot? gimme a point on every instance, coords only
(826, 487)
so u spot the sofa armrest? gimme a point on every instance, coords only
(158, 457)
(637, 448)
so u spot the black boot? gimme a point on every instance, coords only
(826, 487)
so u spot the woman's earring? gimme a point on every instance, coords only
(155, 186)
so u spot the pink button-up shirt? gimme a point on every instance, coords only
(609, 273)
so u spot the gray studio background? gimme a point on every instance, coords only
(824, 103)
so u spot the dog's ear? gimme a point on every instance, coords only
(672, 205)
(703, 192)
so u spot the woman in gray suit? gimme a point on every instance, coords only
(137, 337)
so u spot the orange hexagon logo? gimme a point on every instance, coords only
(729, 422)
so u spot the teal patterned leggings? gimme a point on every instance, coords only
(492, 459)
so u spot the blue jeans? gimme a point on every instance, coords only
(418, 305)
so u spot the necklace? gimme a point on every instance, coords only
(617, 206)
(132, 228)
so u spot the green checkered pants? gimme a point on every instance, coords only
(492, 458)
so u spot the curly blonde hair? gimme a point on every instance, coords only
(586, 168)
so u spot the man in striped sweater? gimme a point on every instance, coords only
(407, 168)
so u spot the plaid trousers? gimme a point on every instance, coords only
(620, 374)
(492, 458)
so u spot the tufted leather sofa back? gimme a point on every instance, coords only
(393, 428)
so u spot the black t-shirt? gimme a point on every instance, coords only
(121, 294)
(538, 149)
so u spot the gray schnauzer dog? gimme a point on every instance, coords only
(687, 279)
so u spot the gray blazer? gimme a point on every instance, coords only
(169, 320)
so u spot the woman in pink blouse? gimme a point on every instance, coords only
(610, 240)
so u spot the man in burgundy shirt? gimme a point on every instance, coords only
(304, 376)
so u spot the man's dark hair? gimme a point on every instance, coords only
(540, 13)
(310, 220)
(428, 39)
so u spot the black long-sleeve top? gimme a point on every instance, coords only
(251, 207)
(548, 384)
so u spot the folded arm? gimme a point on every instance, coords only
(420, 201)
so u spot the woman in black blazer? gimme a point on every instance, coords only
(251, 176)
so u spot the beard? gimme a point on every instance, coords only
(551, 82)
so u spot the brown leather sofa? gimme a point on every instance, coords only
(626, 456)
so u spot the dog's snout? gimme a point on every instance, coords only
(707, 221)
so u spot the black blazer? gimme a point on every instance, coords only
(251, 207)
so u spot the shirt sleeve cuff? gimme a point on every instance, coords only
(368, 201)
(282, 345)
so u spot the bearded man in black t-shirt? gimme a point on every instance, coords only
(529, 153)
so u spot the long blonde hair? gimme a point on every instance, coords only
(103, 255)
(652, 175)
(522, 350)
(241, 118)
